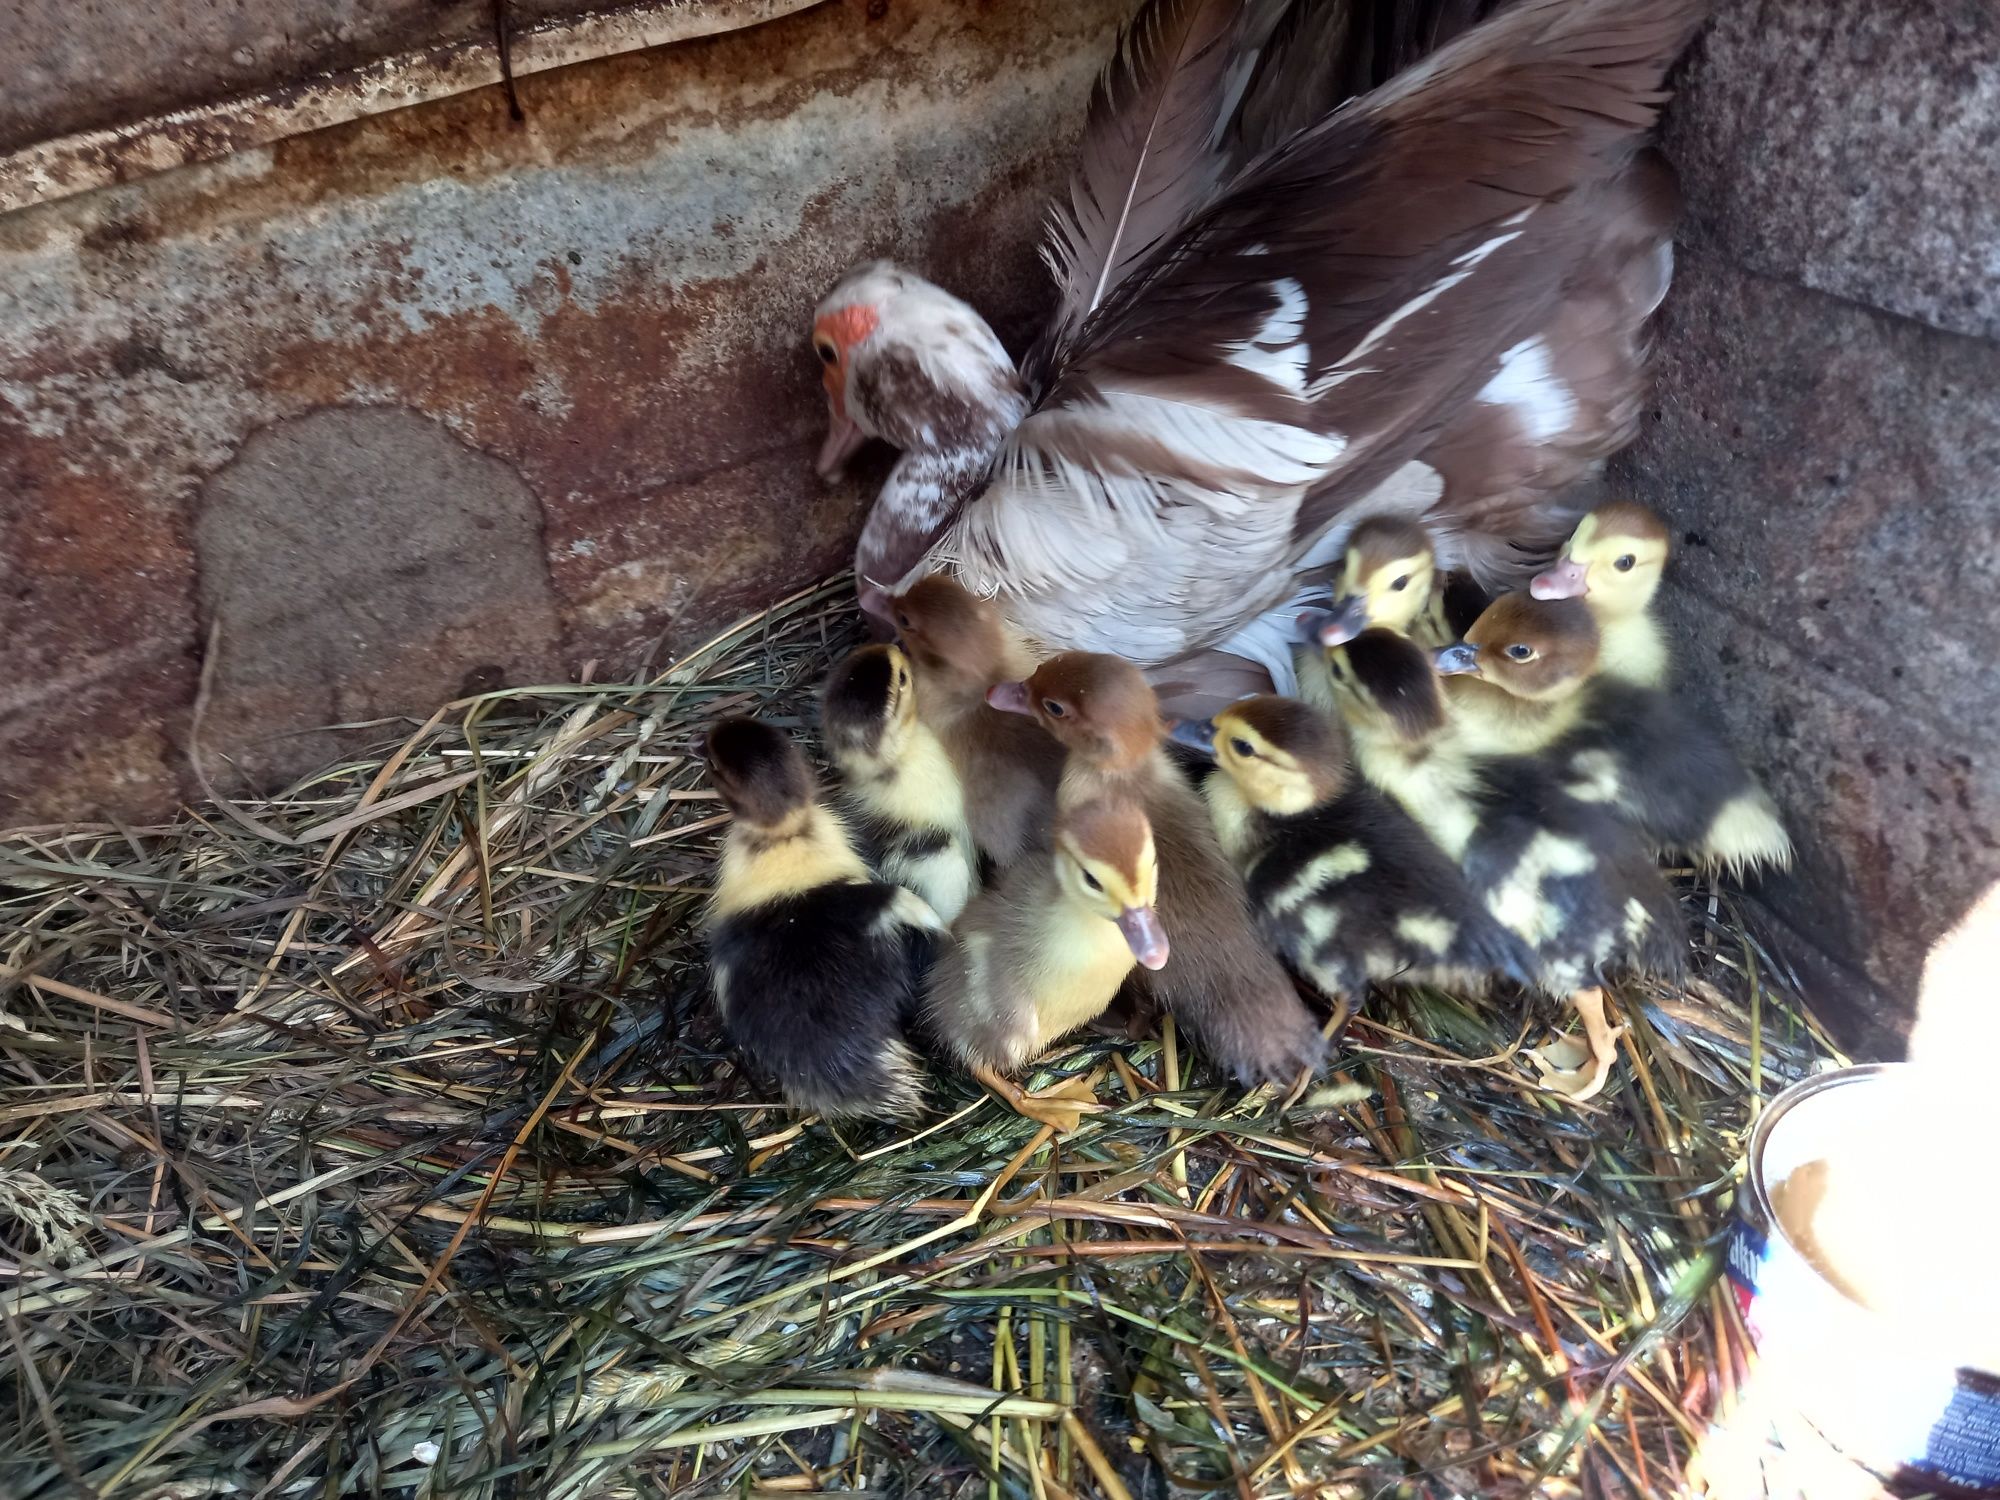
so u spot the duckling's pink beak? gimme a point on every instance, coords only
(1144, 935)
(1009, 697)
(1566, 580)
(843, 440)
(880, 611)
(1336, 626)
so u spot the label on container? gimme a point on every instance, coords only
(1962, 1446)
(1747, 1252)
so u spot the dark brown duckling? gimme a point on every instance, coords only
(960, 645)
(1222, 980)
(1535, 679)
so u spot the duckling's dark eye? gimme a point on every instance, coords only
(1626, 563)
(902, 619)
(1519, 652)
(1243, 748)
(1092, 881)
(1401, 583)
(827, 353)
(1053, 709)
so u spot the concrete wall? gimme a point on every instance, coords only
(1827, 444)
(433, 399)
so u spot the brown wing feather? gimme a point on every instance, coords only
(1147, 159)
(1308, 57)
(1391, 197)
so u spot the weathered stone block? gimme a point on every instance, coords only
(1853, 147)
(1833, 478)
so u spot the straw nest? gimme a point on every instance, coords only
(378, 1138)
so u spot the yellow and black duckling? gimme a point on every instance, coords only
(958, 646)
(1388, 580)
(901, 790)
(1047, 949)
(1642, 750)
(1613, 562)
(1223, 981)
(1567, 876)
(816, 965)
(1347, 886)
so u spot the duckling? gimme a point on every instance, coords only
(1613, 562)
(1347, 886)
(1223, 981)
(1566, 876)
(958, 646)
(1388, 580)
(900, 787)
(1047, 949)
(815, 964)
(1520, 671)
(1655, 760)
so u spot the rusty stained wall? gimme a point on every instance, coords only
(79, 65)
(432, 401)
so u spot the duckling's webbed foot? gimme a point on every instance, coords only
(1583, 1080)
(1061, 1106)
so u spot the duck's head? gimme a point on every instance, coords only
(1385, 576)
(1105, 860)
(905, 361)
(1613, 559)
(1098, 707)
(1536, 649)
(868, 706)
(1284, 756)
(953, 638)
(1386, 682)
(761, 776)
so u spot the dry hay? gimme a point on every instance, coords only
(377, 1138)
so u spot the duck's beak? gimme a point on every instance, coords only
(1568, 579)
(879, 611)
(1144, 935)
(1009, 697)
(698, 746)
(843, 440)
(1196, 734)
(1338, 625)
(1457, 660)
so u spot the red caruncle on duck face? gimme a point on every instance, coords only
(836, 335)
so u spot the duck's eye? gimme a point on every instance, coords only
(1519, 652)
(1401, 583)
(827, 353)
(1093, 882)
(1243, 748)
(902, 619)
(1626, 563)
(1053, 709)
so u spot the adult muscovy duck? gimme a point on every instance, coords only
(1284, 307)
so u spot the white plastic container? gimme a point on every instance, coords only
(1904, 1395)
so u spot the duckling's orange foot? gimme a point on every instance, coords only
(1061, 1106)
(1580, 1072)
